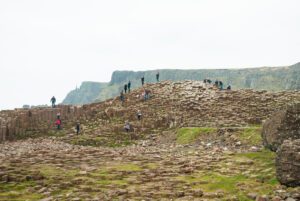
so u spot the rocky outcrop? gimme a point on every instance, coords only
(288, 163)
(171, 104)
(284, 124)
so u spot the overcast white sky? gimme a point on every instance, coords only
(49, 47)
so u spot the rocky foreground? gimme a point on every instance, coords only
(205, 169)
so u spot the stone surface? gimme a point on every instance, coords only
(288, 163)
(283, 125)
(251, 196)
(147, 163)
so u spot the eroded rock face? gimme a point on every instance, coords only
(288, 163)
(283, 125)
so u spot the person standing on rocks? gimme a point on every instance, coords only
(146, 94)
(143, 80)
(127, 126)
(217, 83)
(221, 85)
(157, 76)
(228, 87)
(129, 85)
(77, 128)
(209, 81)
(125, 87)
(139, 114)
(53, 100)
(122, 95)
(58, 122)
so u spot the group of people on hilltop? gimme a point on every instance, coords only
(218, 83)
(127, 87)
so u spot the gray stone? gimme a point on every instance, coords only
(283, 125)
(288, 163)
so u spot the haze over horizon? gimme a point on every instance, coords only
(47, 48)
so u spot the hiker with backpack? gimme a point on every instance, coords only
(53, 100)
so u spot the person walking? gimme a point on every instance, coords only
(157, 76)
(127, 126)
(125, 87)
(122, 95)
(77, 128)
(143, 80)
(139, 115)
(53, 100)
(58, 122)
(129, 86)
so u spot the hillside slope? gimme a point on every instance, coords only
(87, 93)
(267, 78)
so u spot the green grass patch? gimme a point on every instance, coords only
(129, 167)
(252, 135)
(187, 135)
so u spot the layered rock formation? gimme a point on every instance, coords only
(288, 163)
(188, 103)
(284, 124)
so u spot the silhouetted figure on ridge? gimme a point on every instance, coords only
(129, 85)
(125, 88)
(157, 76)
(53, 100)
(143, 80)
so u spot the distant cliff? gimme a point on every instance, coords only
(87, 93)
(268, 78)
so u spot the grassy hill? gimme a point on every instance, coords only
(87, 93)
(267, 78)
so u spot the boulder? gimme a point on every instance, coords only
(283, 125)
(288, 163)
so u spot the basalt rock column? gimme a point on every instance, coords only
(288, 163)
(283, 125)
